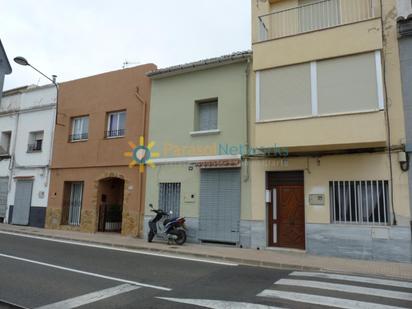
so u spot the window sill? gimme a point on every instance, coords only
(78, 141)
(34, 151)
(206, 132)
(114, 137)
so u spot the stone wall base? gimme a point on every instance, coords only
(130, 224)
(88, 222)
(348, 241)
(391, 243)
(252, 233)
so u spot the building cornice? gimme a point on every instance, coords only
(200, 65)
(27, 110)
(24, 89)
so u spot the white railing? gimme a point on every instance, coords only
(316, 16)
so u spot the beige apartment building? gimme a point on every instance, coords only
(328, 173)
(92, 187)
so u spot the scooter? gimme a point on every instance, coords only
(168, 229)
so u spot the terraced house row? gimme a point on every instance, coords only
(301, 143)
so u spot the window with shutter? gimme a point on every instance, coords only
(207, 116)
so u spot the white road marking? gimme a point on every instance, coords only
(346, 288)
(218, 304)
(91, 297)
(401, 284)
(79, 243)
(85, 272)
(324, 300)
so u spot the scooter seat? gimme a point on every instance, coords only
(169, 220)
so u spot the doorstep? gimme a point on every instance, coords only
(263, 258)
(285, 250)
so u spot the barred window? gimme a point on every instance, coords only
(363, 202)
(169, 197)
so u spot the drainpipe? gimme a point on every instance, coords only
(141, 176)
(247, 74)
(387, 118)
(12, 157)
(46, 182)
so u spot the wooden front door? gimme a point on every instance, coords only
(286, 217)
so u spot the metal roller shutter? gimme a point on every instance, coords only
(4, 182)
(22, 202)
(219, 205)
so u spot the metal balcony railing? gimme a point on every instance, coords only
(78, 137)
(316, 16)
(114, 133)
(35, 147)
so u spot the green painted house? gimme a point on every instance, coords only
(198, 122)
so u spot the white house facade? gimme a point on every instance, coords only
(27, 119)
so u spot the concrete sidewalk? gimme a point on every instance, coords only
(264, 258)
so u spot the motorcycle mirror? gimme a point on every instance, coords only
(171, 212)
(151, 205)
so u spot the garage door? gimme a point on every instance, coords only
(4, 182)
(22, 202)
(219, 205)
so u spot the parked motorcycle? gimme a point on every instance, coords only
(161, 226)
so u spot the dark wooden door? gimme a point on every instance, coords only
(286, 217)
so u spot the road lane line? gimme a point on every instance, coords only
(346, 288)
(395, 283)
(324, 300)
(84, 272)
(79, 243)
(91, 297)
(218, 304)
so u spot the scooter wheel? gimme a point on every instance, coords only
(150, 236)
(181, 237)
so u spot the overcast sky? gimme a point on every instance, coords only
(78, 38)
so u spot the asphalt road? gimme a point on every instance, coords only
(36, 273)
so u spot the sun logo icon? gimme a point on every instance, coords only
(141, 155)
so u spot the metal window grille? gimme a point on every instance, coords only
(114, 133)
(362, 202)
(169, 197)
(36, 146)
(78, 137)
(75, 207)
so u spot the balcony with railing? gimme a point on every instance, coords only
(316, 16)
